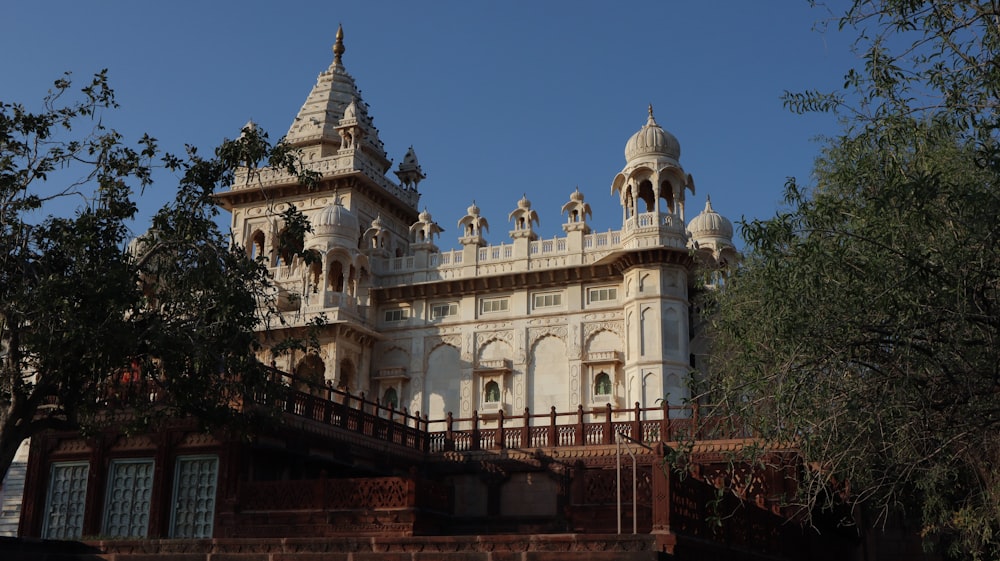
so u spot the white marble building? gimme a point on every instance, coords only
(587, 318)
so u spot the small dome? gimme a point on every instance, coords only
(337, 221)
(473, 210)
(576, 196)
(351, 113)
(710, 224)
(524, 202)
(652, 140)
(409, 161)
(425, 216)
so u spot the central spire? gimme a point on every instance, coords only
(338, 47)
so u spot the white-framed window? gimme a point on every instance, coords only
(390, 398)
(602, 384)
(493, 305)
(491, 393)
(130, 491)
(399, 314)
(65, 501)
(547, 300)
(602, 294)
(439, 311)
(193, 512)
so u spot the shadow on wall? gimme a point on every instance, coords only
(32, 548)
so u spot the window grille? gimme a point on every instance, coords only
(66, 500)
(194, 497)
(130, 489)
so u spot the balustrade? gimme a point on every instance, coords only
(499, 430)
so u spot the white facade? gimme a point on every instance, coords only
(584, 319)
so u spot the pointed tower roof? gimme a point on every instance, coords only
(322, 111)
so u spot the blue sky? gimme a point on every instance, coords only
(497, 98)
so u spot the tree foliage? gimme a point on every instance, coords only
(92, 326)
(864, 323)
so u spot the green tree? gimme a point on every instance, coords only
(95, 331)
(864, 325)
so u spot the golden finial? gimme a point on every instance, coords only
(338, 47)
(650, 110)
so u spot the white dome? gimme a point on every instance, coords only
(336, 221)
(710, 224)
(651, 139)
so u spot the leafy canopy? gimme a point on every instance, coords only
(864, 323)
(90, 326)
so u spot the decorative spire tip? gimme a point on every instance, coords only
(338, 47)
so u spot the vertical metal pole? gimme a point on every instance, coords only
(618, 478)
(635, 501)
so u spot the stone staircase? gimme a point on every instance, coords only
(12, 491)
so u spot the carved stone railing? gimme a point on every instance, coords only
(343, 164)
(356, 414)
(603, 356)
(582, 427)
(498, 365)
(499, 430)
(542, 254)
(398, 373)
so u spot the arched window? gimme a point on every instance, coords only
(335, 278)
(667, 194)
(315, 272)
(492, 392)
(602, 384)
(310, 371)
(289, 245)
(257, 245)
(645, 194)
(390, 398)
(346, 382)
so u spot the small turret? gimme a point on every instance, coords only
(473, 226)
(712, 237)
(576, 211)
(524, 217)
(425, 229)
(409, 172)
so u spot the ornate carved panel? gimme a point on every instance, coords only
(536, 333)
(592, 328)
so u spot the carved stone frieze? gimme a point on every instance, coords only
(592, 328)
(482, 338)
(603, 316)
(433, 342)
(198, 439)
(498, 326)
(537, 333)
(71, 446)
(135, 442)
(546, 321)
(384, 347)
